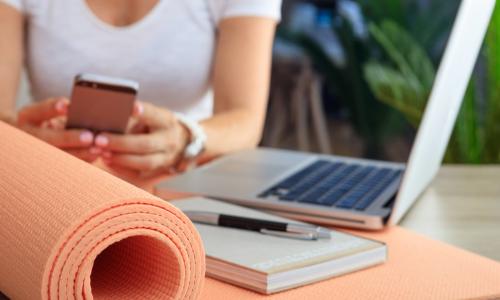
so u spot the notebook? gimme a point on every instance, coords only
(269, 264)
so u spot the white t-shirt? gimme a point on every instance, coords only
(169, 52)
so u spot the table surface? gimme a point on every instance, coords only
(461, 208)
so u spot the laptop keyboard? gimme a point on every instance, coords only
(335, 184)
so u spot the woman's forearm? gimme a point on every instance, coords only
(241, 84)
(11, 57)
(232, 131)
(8, 116)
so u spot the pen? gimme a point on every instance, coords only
(281, 229)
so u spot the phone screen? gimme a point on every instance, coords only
(100, 107)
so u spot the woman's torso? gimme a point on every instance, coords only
(169, 51)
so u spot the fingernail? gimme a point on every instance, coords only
(139, 108)
(106, 154)
(101, 141)
(86, 137)
(95, 150)
(61, 106)
(51, 124)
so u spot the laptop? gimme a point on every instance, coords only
(346, 191)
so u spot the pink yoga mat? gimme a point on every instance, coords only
(71, 231)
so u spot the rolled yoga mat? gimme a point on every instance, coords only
(71, 231)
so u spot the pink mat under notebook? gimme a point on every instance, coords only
(71, 231)
(418, 268)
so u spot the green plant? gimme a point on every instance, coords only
(406, 85)
(405, 81)
(428, 22)
(491, 56)
(374, 121)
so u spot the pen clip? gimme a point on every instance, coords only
(293, 235)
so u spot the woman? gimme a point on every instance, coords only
(207, 59)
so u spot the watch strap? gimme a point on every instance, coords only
(196, 144)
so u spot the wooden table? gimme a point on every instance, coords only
(462, 208)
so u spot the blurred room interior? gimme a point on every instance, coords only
(352, 78)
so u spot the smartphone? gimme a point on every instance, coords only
(101, 103)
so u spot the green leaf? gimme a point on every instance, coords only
(392, 87)
(492, 59)
(405, 86)
(407, 55)
(466, 142)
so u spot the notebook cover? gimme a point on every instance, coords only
(417, 268)
(267, 255)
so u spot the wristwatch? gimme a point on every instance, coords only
(198, 139)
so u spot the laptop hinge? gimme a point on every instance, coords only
(389, 205)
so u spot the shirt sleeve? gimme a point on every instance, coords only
(17, 4)
(248, 8)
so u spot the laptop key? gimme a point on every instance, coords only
(323, 187)
(333, 180)
(311, 181)
(332, 183)
(331, 198)
(282, 187)
(335, 191)
(314, 196)
(366, 201)
(365, 182)
(351, 190)
(348, 201)
(300, 175)
(373, 194)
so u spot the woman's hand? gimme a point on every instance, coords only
(46, 121)
(155, 142)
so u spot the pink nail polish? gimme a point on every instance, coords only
(140, 108)
(101, 141)
(86, 137)
(61, 106)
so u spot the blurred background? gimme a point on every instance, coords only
(352, 77)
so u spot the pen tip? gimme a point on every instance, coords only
(324, 233)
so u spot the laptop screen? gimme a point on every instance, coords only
(451, 107)
(390, 77)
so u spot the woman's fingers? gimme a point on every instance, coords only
(62, 138)
(46, 120)
(58, 123)
(153, 116)
(142, 163)
(138, 109)
(153, 143)
(84, 154)
(134, 143)
(40, 112)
